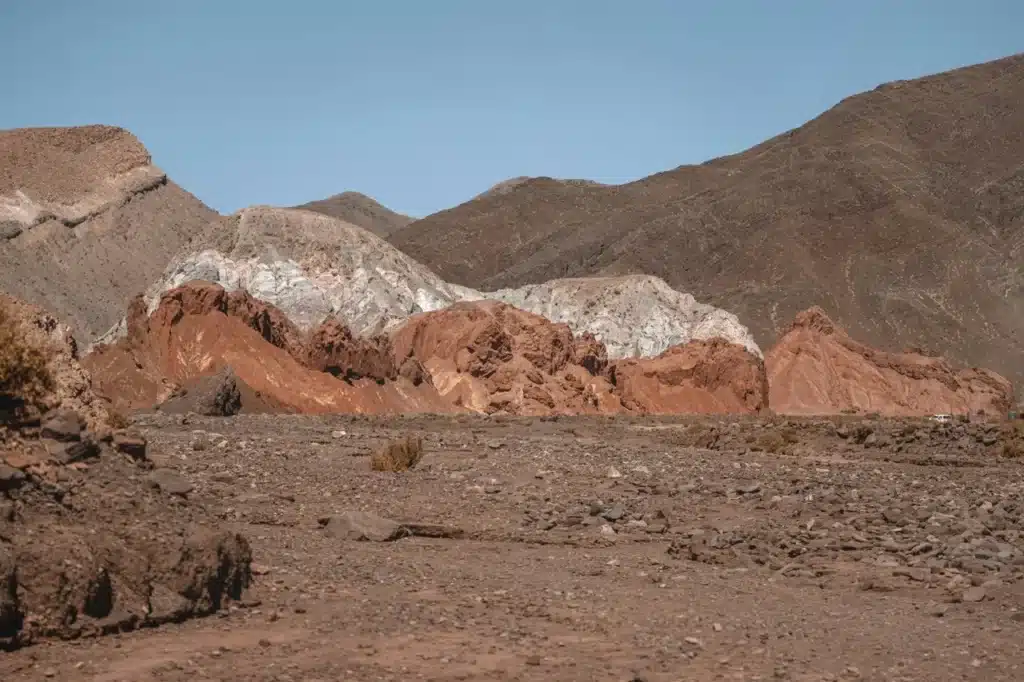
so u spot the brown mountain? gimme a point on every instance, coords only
(900, 211)
(87, 221)
(362, 211)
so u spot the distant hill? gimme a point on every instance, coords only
(900, 211)
(87, 221)
(359, 209)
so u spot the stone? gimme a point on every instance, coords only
(131, 444)
(170, 482)
(613, 513)
(11, 613)
(749, 488)
(973, 594)
(63, 426)
(364, 526)
(10, 478)
(613, 473)
(77, 451)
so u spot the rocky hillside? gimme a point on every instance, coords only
(210, 351)
(313, 267)
(87, 221)
(900, 210)
(816, 368)
(359, 209)
(199, 330)
(94, 539)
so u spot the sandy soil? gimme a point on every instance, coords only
(592, 549)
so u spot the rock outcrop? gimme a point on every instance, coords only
(633, 315)
(816, 368)
(86, 546)
(72, 386)
(491, 357)
(87, 221)
(314, 267)
(199, 329)
(704, 377)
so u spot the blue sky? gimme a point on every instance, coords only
(422, 104)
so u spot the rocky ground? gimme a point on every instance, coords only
(587, 549)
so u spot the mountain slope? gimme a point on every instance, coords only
(899, 211)
(359, 209)
(312, 267)
(87, 221)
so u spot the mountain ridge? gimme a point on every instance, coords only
(898, 210)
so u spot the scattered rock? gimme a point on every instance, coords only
(10, 478)
(170, 482)
(131, 444)
(364, 526)
(973, 594)
(63, 426)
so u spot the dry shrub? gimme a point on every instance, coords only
(1013, 449)
(25, 379)
(118, 420)
(398, 455)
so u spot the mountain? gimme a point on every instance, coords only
(359, 209)
(900, 211)
(87, 221)
(313, 267)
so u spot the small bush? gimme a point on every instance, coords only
(118, 420)
(1013, 449)
(398, 455)
(25, 379)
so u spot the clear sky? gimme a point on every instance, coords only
(424, 103)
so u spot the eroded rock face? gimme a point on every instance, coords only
(333, 348)
(73, 388)
(704, 377)
(199, 329)
(314, 267)
(817, 369)
(633, 315)
(491, 357)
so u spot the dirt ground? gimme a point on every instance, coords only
(592, 549)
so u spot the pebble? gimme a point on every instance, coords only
(614, 473)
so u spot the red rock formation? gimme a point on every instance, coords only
(704, 377)
(332, 348)
(817, 369)
(491, 357)
(198, 329)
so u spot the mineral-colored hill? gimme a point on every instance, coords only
(312, 267)
(87, 221)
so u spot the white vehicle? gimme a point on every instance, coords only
(941, 418)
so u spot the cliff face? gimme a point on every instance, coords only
(816, 368)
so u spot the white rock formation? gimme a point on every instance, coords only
(634, 315)
(312, 266)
